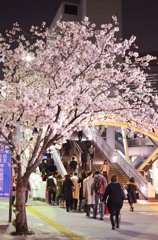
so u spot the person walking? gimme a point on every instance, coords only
(51, 187)
(59, 192)
(82, 176)
(88, 194)
(43, 167)
(99, 186)
(80, 134)
(84, 160)
(114, 201)
(91, 152)
(67, 192)
(105, 169)
(14, 190)
(73, 164)
(132, 193)
(75, 193)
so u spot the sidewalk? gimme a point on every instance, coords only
(54, 223)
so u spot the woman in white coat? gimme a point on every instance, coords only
(76, 190)
(88, 194)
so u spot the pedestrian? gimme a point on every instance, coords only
(75, 157)
(59, 192)
(114, 201)
(44, 176)
(52, 188)
(67, 147)
(73, 164)
(105, 169)
(84, 160)
(82, 176)
(76, 190)
(14, 190)
(132, 192)
(91, 152)
(99, 186)
(80, 135)
(67, 192)
(43, 167)
(88, 144)
(88, 194)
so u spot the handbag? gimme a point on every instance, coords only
(137, 195)
(124, 193)
(106, 210)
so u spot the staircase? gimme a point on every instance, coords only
(115, 157)
(122, 177)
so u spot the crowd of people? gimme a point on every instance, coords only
(91, 193)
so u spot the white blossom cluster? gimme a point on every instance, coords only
(74, 74)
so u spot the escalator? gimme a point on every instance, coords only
(116, 157)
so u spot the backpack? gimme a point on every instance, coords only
(51, 185)
(100, 186)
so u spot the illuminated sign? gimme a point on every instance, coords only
(5, 170)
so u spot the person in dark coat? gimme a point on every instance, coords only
(59, 193)
(73, 164)
(67, 192)
(82, 176)
(43, 166)
(67, 147)
(84, 160)
(113, 193)
(52, 188)
(80, 135)
(132, 191)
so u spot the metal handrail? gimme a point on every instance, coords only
(80, 151)
(58, 162)
(114, 156)
(77, 146)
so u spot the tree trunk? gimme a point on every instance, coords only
(21, 219)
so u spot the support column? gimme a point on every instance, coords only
(125, 144)
(155, 175)
(152, 156)
(110, 136)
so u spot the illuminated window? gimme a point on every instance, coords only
(70, 9)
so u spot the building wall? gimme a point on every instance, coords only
(101, 11)
(98, 13)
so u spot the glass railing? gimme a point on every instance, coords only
(58, 162)
(139, 142)
(115, 156)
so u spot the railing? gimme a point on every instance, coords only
(77, 146)
(137, 161)
(80, 152)
(139, 142)
(119, 146)
(58, 162)
(116, 156)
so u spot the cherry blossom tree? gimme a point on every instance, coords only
(61, 80)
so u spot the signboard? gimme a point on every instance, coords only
(5, 170)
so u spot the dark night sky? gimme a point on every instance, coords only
(26, 12)
(140, 18)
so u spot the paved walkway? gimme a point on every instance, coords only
(54, 223)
